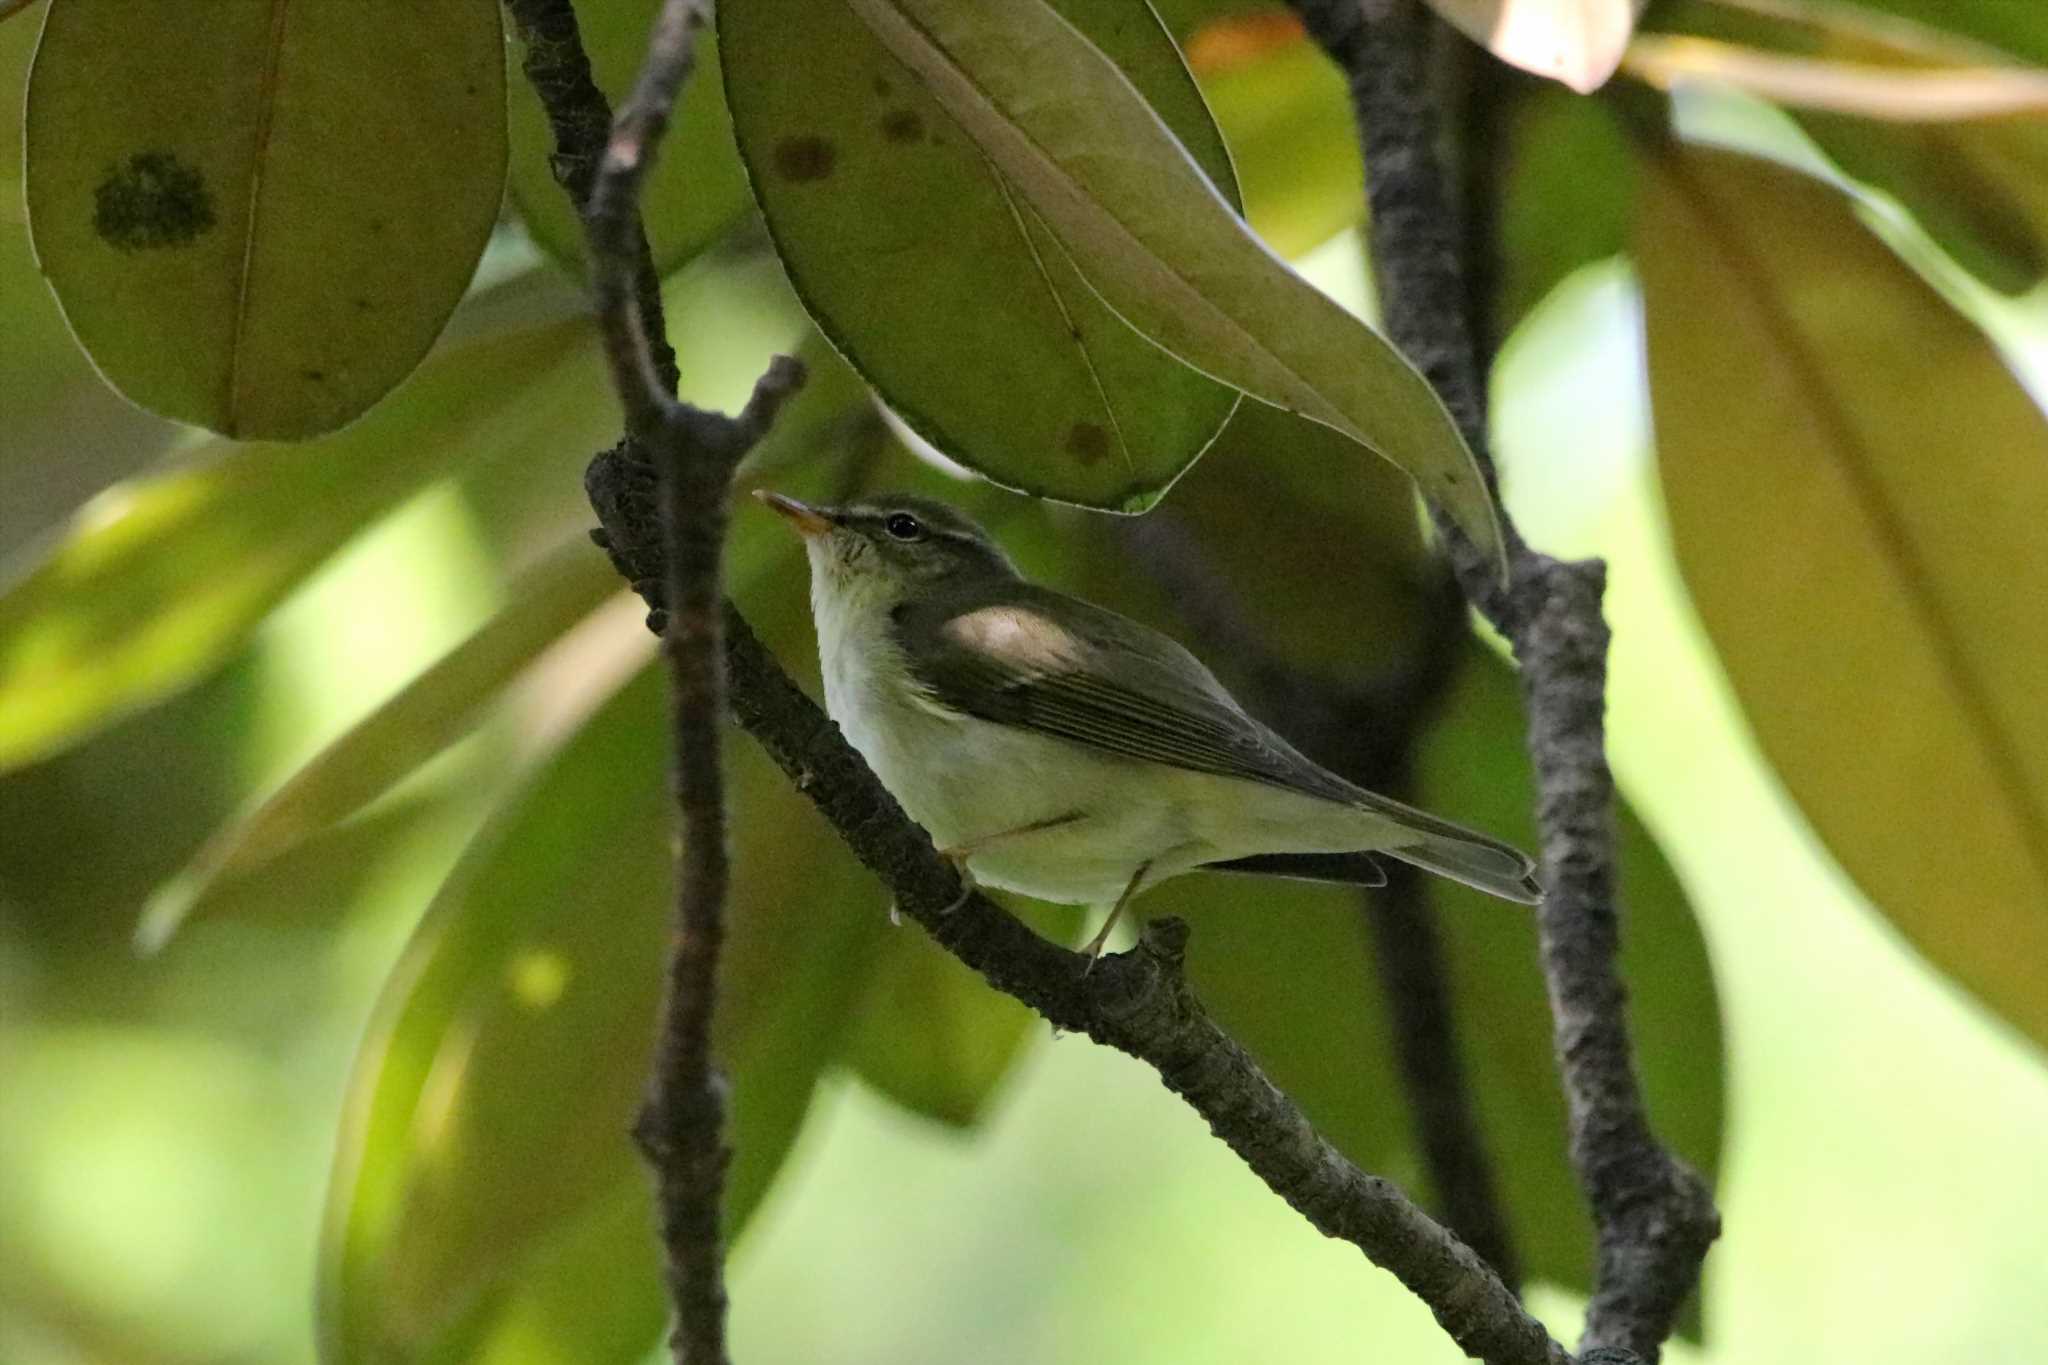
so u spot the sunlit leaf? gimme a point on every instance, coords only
(1867, 90)
(1578, 42)
(260, 222)
(1153, 236)
(1861, 533)
(697, 188)
(157, 580)
(938, 280)
(1978, 186)
(430, 713)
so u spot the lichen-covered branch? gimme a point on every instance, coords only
(1654, 1215)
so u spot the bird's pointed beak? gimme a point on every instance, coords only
(807, 520)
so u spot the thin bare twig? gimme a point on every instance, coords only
(1654, 1215)
(681, 1124)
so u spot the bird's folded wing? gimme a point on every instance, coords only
(1031, 658)
(1026, 656)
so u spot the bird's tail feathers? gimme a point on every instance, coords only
(1479, 862)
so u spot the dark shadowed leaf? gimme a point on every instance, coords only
(1566, 199)
(159, 579)
(1474, 768)
(1288, 969)
(1979, 189)
(697, 188)
(258, 223)
(1861, 533)
(938, 280)
(1155, 238)
(932, 1035)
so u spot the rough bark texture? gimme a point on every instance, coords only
(1654, 1215)
(690, 455)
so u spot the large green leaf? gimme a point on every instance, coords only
(938, 280)
(1152, 234)
(157, 580)
(258, 223)
(470, 1204)
(1861, 533)
(697, 188)
(431, 712)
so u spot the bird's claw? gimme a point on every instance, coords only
(958, 858)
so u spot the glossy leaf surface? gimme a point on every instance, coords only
(938, 280)
(1861, 533)
(1153, 236)
(260, 222)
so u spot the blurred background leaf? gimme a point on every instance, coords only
(158, 580)
(1862, 536)
(1285, 113)
(249, 239)
(431, 712)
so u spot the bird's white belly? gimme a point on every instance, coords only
(966, 780)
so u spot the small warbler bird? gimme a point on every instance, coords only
(1052, 747)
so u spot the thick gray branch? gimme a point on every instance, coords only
(1654, 1215)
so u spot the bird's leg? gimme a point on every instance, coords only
(958, 854)
(1094, 948)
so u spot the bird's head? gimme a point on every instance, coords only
(891, 547)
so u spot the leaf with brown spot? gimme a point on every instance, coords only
(943, 286)
(213, 232)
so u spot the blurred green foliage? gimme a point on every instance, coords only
(364, 697)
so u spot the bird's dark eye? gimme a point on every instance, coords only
(904, 526)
